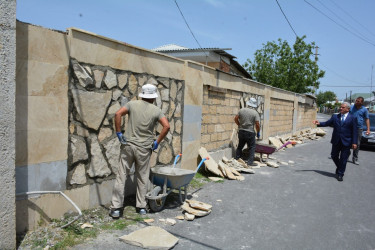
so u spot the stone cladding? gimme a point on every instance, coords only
(95, 94)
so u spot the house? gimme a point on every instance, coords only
(214, 57)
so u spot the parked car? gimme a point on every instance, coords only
(369, 139)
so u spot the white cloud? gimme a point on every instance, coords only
(215, 3)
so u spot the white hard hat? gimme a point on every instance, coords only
(149, 91)
(252, 102)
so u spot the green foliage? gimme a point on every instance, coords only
(119, 224)
(281, 66)
(199, 180)
(75, 235)
(323, 97)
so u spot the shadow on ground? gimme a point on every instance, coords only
(328, 174)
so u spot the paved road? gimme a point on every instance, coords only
(300, 206)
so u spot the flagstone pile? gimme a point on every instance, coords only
(297, 138)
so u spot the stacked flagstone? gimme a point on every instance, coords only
(95, 94)
(297, 138)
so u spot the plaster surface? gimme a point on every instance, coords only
(7, 123)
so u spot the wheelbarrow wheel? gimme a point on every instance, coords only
(158, 204)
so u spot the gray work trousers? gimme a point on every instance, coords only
(140, 156)
(355, 151)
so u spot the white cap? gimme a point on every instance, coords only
(148, 91)
(252, 102)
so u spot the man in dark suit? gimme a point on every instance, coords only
(344, 137)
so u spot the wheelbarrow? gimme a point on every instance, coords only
(166, 179)
(263, 148)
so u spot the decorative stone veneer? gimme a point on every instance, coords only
(281, 117)
(305, 112)
(95, 94)
(218, 112)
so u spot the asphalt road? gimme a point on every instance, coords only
(299, 206)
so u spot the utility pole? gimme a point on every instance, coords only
(316, 61)
(350, 97)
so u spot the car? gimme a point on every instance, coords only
(369, 139)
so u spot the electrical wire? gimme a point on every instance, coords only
(286, 18)
(343, 77)
(189, 28)
(338, 6)
(338, 23)
(342, 20)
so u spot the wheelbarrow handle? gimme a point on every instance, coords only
(200, 164)
(176, 159)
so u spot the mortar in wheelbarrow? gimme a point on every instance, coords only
(176, 177)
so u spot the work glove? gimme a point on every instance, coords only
(258, 134)
(155, 145)
(121, 137)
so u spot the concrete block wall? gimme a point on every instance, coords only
(218, 112)
(305, 112)
(281, 117)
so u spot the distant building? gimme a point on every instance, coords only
(215, 57)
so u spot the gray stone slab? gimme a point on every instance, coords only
(49, 176)
(151, 238)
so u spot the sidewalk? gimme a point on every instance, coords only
(299, 206)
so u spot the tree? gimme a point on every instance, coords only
(281, 66)
(323, 97)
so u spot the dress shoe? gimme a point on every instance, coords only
(340, 178)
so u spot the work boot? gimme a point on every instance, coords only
(115, 214)
(142, 211)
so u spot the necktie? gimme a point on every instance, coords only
(342, 120)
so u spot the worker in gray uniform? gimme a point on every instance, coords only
(137, 145)
(246, 119)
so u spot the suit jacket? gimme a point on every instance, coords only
(347, 133)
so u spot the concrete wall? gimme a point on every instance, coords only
(7, 123)
(46, 122)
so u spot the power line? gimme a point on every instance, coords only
(189, 28)
(343, 77)
(286, 18)
(353, 28)
(352, 17)
(339, 24)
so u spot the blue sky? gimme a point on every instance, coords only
(243, 25)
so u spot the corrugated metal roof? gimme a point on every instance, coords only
(169, 47)
(176, 48)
